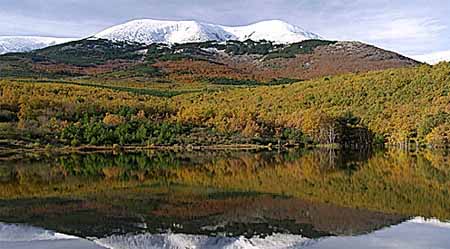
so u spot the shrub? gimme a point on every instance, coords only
(439, 137)
(113, 120)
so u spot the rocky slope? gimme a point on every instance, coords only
(223, 63)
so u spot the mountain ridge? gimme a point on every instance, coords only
(219, 63)
(150, 31)
(281, 32)
(14, 44)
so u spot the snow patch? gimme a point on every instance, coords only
(211, 50)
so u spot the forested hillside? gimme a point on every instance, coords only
(395, 106)
(219, 63)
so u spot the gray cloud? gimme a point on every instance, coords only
(411, 27)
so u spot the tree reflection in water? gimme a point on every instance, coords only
(313, 193)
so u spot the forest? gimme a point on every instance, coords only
(406, 106)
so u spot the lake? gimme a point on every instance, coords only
(295, 199)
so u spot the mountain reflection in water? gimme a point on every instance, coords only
(312, 194)
(416, 233)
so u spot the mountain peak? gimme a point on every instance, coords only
(277, 31)
(160, 31)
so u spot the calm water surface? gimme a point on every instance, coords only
(297, 199)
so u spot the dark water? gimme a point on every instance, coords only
(297, 199)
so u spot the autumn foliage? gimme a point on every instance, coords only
(398, 106)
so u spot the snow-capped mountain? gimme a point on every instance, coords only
(155, 31)
(149, 31)
(275, 30)
(433, 58)
(10, 44)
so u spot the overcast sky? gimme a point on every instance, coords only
(407, 26)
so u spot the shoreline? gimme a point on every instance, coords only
(11, 151)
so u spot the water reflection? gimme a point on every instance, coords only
(307, 193)
(417, 233)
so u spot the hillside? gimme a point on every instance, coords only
(219, 63)
(390, 106)
(400, 105)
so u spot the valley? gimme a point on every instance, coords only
(189, 134)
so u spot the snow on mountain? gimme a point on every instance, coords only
(10, 44)
(433, 58)
(155, 31)
(274, 30)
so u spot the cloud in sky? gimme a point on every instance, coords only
(408, 28)
(411, 27)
